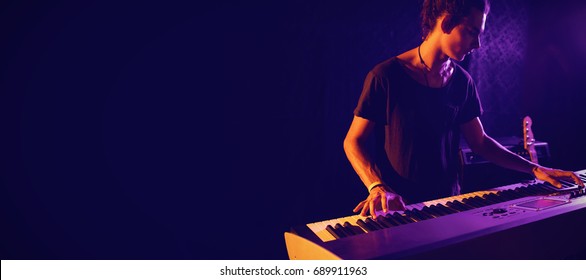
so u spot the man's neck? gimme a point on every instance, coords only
(432, 58)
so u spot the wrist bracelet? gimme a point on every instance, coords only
(374, 185)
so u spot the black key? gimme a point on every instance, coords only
(398, 218)
(423, 214)
(551, 186)
(402, 219)
(365, 226)
(340, 231)
(528, 191)
(455, 206)
(465, 202)
(535, 190)
(384, 221)
(439, 209)
(409, 219)
(514, 194)
(481, 201)
(502, 197)
(355, 229)
(333, 232)
(374, 224)
(437, 212)
(517, 194)
(489, 199)
(430, 212)
(521, 190)
(411, 215)
(508, 194)
(344, 230)
(452, 208)
(462, 205)
(566, 183)
(436, 209)
(389, 218)
(446, 209)
(465, 206)
(492, 198)
(468, 201)
(498, 197)
(473, 201)
(525, 191)
(543, 189)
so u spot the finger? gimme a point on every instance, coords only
(557, 172)
(384, 203)
(564, 174)
(359, 206)
(567, 176)
(364, 209)
(577, 179)
(554, 182)
(371, 204)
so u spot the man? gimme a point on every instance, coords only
(416, 105)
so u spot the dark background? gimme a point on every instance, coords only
(168, 130)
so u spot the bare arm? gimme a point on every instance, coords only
(491, 150)
(381, 196)
(354, 146)
(488, 148)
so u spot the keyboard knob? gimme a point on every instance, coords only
(499, 210)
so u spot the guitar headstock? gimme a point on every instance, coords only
(528, 138)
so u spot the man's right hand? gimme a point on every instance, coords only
(380, 198)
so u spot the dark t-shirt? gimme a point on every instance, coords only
(417, 129)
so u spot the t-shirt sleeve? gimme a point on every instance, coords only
(472, 107)
(373, 100)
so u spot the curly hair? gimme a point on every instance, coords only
(456, 9)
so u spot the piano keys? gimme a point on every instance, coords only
(432, 229)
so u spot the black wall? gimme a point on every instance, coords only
(164, 130)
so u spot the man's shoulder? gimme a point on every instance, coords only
(386, 68)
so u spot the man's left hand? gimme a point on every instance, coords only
(553, 176)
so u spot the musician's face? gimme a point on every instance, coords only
(465, 36)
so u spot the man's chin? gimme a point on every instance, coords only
(460, 57)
